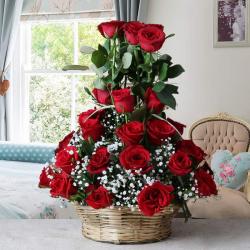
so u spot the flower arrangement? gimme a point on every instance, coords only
(127, 152)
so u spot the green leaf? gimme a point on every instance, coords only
(75, 67)
(99, 84)
(99, 71)
(163, 72)
(100, 56)
(166, 95)
(87, 50)
(87, 91)
(159, 86)
(175, 71)
(127, 60)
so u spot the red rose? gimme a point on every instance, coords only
(152, 101)
(205, 182)
(64, 142)
(180, 163)
(159, 26)
(159, 130)
(99, 161)
(99, 198)
(135, 157)
(151, 38)
(44, 180)
(152, 199)
(180, 127)
(91, 125)
(67, 158)
(191, 149)
(123, 100)
(102, 96)
(131, 133)
(109, 29)
(131, 31)
(62, 185)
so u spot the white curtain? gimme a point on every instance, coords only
(10, 12)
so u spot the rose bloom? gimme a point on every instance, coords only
(205, 182)
(64, 142)
(123, 100)
(44, 180)
(131, 133)
(135, 157)
(131, 31)
(152, 101)
(91, 125)
(99, 161)
(152, 199)
(191, 149)
(62, 185)
(67, 158)
(180, 164)
(151, 38)
(179, 126)
(109, 29)
(102, 96)
(159, 130)
(99, 198)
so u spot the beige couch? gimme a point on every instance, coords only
(222, 132)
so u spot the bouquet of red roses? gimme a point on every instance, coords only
(127, 152)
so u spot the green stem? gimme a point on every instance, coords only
(114, 58)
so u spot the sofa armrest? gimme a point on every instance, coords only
(247, 187)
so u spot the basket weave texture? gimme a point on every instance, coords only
(123, 226)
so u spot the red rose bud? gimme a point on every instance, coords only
(131, 133)
(205, 182)
(99, 161)
(179, 126)
(159, 130)
(67, 158)
(191, 149)
(102, 96)
(62, 185)
(109, 29)
(151, 38)
(180, 164)
(135, 157)
(152, 101)
(123, 100)
(91, 125)
(152, 199)
(99, 198)
(65, 142)
(44, 180)
(131, 31)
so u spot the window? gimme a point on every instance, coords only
(55, 97)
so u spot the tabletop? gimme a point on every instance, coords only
(66, 235)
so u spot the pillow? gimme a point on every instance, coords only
(37, 153)
(247, 187)
(230, 171)
(228, 204)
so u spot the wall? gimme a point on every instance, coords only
(216, 79)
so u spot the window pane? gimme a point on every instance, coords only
(52, 46)
(88, 36)
(83, 100)
(50, 108)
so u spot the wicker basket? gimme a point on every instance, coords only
(123, 226)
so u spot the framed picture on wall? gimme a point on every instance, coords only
(231, 23)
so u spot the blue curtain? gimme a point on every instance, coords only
(10, 12)
(131, 10)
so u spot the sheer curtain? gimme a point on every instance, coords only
(10, 12)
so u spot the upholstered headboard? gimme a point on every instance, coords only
(221, 132)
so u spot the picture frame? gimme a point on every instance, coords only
(231, 23)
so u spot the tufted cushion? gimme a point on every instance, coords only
(220, 134)
(37, 153)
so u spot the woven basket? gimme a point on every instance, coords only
(123, 226)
